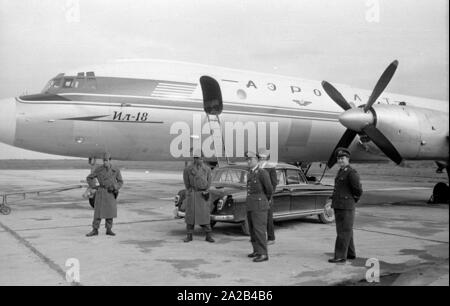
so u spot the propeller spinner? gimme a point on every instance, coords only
(363, 120)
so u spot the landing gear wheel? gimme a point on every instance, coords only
(328, 213)
(440, 194)
(5, 210)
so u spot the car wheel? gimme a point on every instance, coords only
(328, 213)
(244, 227)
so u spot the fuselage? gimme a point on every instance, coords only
(137, 110)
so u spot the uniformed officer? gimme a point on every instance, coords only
(259, 192)
(105, 207)
(347, 191)
(263, 156)
(197, 180)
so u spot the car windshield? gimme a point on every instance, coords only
(233, 176)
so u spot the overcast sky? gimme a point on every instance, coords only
(343, 41)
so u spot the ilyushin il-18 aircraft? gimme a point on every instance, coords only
(157, 110)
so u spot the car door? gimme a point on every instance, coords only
(281, 196)
(302, 199)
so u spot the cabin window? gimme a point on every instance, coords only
(241, 94)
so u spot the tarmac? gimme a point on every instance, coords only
(395, 230)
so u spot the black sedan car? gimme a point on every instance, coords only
(294, 196)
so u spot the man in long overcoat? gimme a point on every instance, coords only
(347, 191)
(105, 207)
(197, 180)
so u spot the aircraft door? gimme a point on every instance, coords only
(212, 96)
(213, 106)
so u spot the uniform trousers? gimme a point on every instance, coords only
(190, 228)
(257, 225)
(344, 246)
(96, 223)
(270, 226)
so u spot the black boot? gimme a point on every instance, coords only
(209, 238)
(109, 232)
(188, 238)
(94, 232)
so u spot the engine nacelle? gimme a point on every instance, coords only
(416, 133)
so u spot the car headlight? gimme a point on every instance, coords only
(220, 204)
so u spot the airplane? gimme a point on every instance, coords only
(139, 110)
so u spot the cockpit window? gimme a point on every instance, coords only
(76, 84)
(68, 82)
(57, 83)
(52, 84)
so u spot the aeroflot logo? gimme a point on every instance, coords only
(232, 139)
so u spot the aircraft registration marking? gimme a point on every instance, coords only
(121, 116)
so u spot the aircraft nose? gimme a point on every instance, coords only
(7, 120)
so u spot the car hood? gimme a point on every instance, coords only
(220, 190)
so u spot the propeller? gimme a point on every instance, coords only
(363, 120)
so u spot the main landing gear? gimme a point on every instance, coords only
(441, 190)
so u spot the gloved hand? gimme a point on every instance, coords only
(110, 189)
(205, 195)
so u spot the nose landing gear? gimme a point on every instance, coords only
(4, 209)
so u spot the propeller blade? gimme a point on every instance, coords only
(344, 142)
(335, 95)
(383, 143)
(381, 84)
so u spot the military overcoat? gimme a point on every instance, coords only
(110, 180)
(197, 180)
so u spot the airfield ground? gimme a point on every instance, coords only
(394, 225)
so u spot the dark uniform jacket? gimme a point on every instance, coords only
(272, 174)
(347, 189)
(259, 189)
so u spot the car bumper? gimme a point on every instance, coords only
(216, 218)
